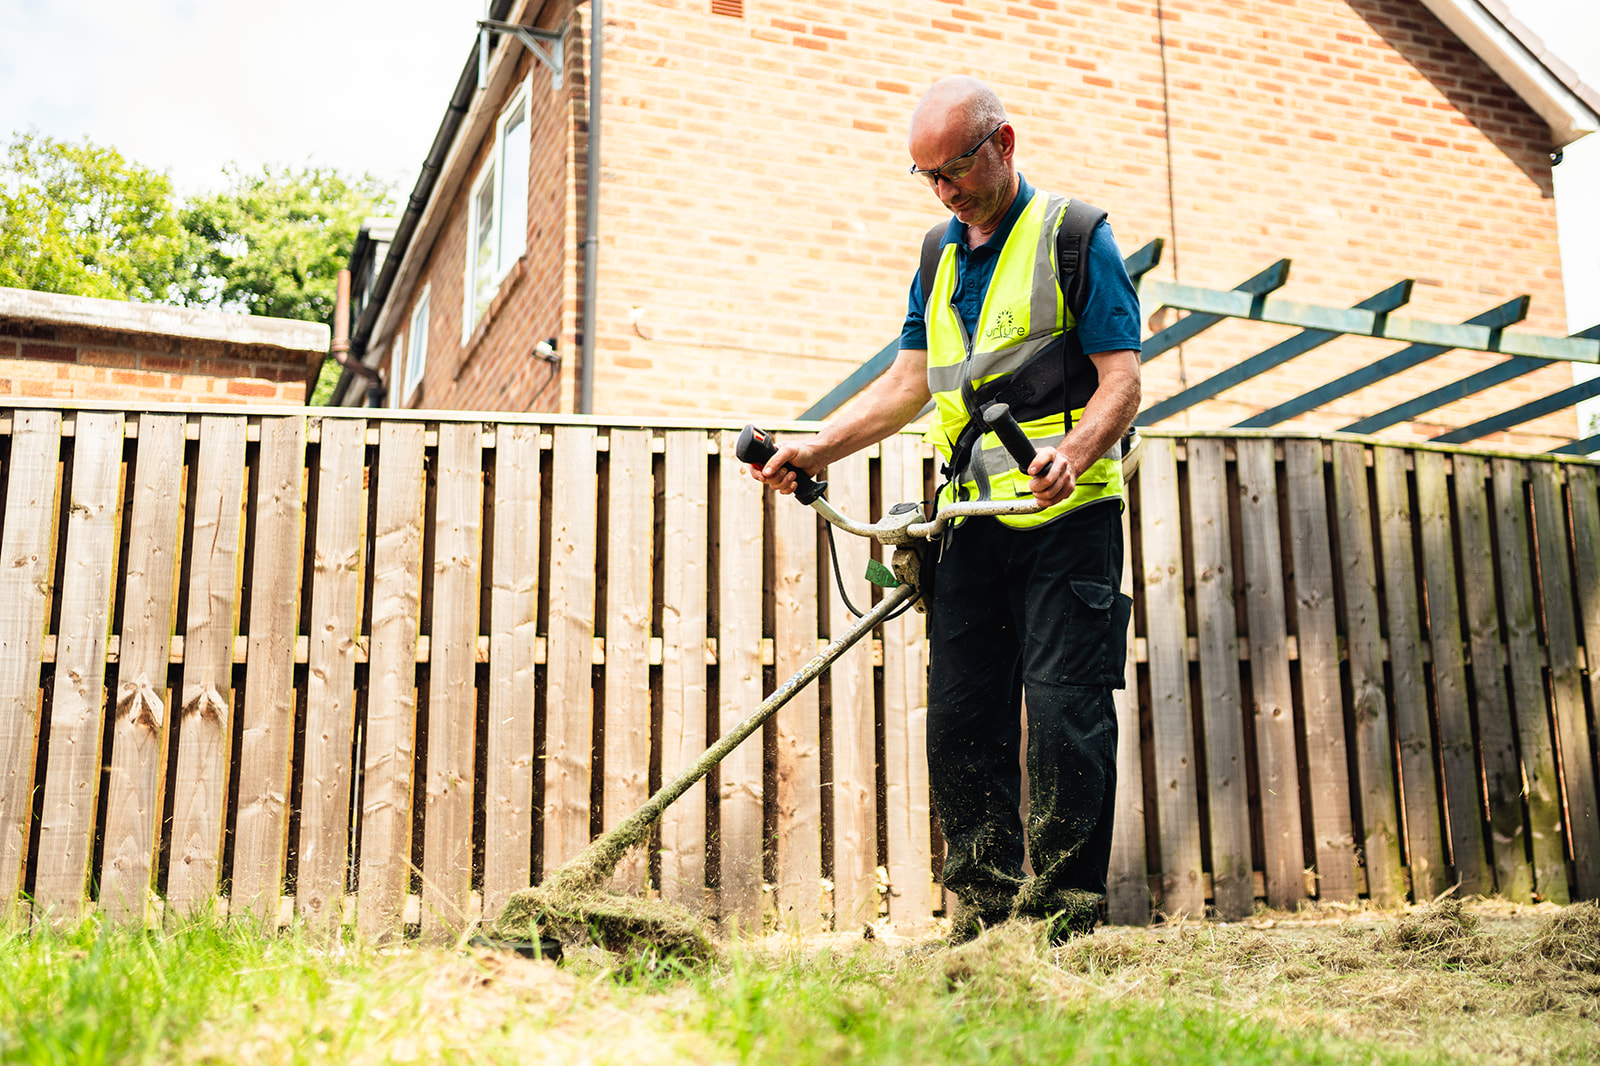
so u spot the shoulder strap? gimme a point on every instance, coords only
(1072, 249)
(930, 257)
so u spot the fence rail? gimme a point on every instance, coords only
(390, 669)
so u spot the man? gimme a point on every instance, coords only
(1019, 608)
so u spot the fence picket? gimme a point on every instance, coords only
(905, 725)
(1541, 789)
(683, 665)
(1272, 696)
(1586, 554)
(630, 533)
(1232, 887)
(1424, 840)
(1457, 751)
(1127, 884)
(143, 702)
(1161, 524)
(389, 758)
(1320, 694)
(739, 547)
(855, 828)
(1582, 821)
(77, 709)
(569, 729)
(799, 766)
(205, 713)
(261, 817)
(452, 694)
(27, 561)
(1379, 832)
(1496, 726)
(337, 583)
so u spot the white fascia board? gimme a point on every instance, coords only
(1568, 115)
(485, 109)
(93, 312)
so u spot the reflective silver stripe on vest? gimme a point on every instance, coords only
(996, 461)
(986, 364)
(1042, 317)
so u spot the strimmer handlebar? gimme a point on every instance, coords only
(1001, 423)
(757, 446)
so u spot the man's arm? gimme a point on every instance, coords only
(888, 405)
(1106, 417)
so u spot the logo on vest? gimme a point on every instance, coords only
(1004, 328)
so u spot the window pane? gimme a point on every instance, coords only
(514, 200)
(417, 357)
(483, 245)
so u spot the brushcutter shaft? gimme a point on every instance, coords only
(599, 860)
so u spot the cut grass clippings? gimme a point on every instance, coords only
(1481, 982)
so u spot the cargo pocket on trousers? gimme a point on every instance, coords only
(1098, 633)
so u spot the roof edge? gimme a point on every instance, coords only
(93, 312)
(1549, 86)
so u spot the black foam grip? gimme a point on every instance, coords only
(998, 417)
(757, 447)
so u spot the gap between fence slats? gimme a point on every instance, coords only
(568, 676)
(1221, 702)
(1457, 752)
(1518, 581)
(1182, 888)
(1320, 693)
(77, 706)
(683, 665)
(452, 697)
(1576, 766)
(142, 701)
(337, 580)
(630, 532)
(854, 783)
(27, 563)
(389, 758)
(261, 815)
(739, 685)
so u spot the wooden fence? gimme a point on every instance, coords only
(389, 669)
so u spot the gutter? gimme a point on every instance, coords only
(591, 214)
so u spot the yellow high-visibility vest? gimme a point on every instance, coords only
(1024, 323)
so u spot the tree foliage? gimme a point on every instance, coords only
(79, 218)
(274, 241)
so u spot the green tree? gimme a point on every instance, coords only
(81, 219)
(275, 240)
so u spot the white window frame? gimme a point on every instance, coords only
(416, 360)
(506, 247)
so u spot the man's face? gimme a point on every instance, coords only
(980, 197)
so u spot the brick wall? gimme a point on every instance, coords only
(758, 231)
(78, 363)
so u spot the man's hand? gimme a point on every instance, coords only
(801, 455)
(1052, 476)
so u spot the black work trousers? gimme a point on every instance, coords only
(1026, 617)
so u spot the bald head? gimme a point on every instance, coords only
(958, 105)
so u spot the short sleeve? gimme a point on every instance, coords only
(1110, 319)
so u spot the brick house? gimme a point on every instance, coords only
(84, 348)
(756, 230)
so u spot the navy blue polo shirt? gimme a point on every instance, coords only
(1110, 320)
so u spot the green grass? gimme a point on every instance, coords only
(219, 992)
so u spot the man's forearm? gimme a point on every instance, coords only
(1109, 412)
(888, 405)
